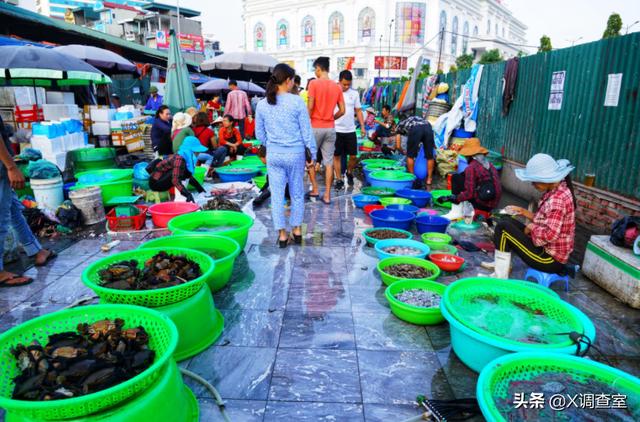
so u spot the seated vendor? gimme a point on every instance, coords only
(175, 169)
(229, 137)
(479, 183)
(546, 242)
(385, 127)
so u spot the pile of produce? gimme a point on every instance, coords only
(383, 234)
(219, 203)
(402, 250)
(420, 298)
(407, 271)
(161, 271)
(72, 364)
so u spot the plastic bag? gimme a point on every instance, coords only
(446, 161)
(69, 215)
(43, 169)
(30, 154)
(140, 171)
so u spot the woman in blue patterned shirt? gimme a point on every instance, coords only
(284, 127)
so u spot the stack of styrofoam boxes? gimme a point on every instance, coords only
(124, 128)
(101, 121)
(55, 139)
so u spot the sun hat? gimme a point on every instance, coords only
(181, 120)
(543, 168)
(153, 90)
(636, 246)
(472, 147)
(218, 120)
(371, 110)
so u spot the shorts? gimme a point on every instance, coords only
(346, 144)
(420, 135)
(326, 143)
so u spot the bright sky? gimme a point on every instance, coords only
(563, 20)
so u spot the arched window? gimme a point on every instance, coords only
(336, 28)
(454, 36)
(443, 25)
(475, 31)
(465, 37)
(308, 31)
(259, 37)
(282, 33)
(367, 24)
(488, 26)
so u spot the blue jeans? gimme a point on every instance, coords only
(215, 159)
(11, 215)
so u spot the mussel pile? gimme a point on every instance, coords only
(161, 271)
(219, 203)
(72, 364)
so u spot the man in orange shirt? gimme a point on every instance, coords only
(324, 96)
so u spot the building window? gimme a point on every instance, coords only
(308, 31)
(282, 33)
(475, 31)
(366, 24)
(410, 18)
(258, 36)
(336, 28)
(443, 25)
(465, 37)
(454, 36)
(488, 26)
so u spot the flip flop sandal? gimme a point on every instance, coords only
(309, 196)
(51, 256)
(326, 202)
(7, 282)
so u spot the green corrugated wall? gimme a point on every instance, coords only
(596, 139)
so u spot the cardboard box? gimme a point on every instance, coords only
(101, 128)
(135, 145)
(117, 139)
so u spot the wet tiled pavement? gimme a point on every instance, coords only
(308, 333)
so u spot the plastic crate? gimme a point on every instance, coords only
(135, 222)
(29, 114)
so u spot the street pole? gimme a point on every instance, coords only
(440, 50)
(389, 56)
(380, 68)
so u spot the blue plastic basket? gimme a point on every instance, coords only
(420, 198)
(432, 223)
(380, 245)
(403, 207)
(393, 184)
(392, 218)
(235, 175)
(362, 200)
(461, 133)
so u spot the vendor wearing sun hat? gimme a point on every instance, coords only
(546, 242)
(180, 129)
(468, 185)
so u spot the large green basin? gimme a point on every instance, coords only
(232, 224)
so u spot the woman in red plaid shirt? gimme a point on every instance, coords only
(546, 242)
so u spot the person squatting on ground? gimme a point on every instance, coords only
(284, 127)
(479, 183)
(324, 96)
(346, 138)
(230, 138)
(546, 242)
(418, 132)
(173, 170)
(11, 216)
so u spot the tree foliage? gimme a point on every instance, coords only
(614, 25)
(491, 56)
(464, 61)
(545, 44)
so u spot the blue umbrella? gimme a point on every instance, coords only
(218, 86)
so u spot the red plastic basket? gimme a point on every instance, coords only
(127, 223)
(28, 114)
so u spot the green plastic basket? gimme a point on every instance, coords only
(394, 200)
(443, 239)
(389, 279)
(460, 301)
(189, 224)
(495, 378)
(435, 194)
(444, 249)
(199, 173)
(371, 241)
(410, 313)
(260, 181)
(225, 250)
(104, 176)
(378, 191)
(148, 298)
(378, 161)
(163, 338)
(85, 159)
(394, 176)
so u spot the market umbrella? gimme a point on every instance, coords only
(241, 65)
(29, 65)
(98, 57)
(178, 91)
(217, 86)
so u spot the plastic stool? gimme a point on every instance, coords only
(546, 279)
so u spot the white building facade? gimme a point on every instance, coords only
(379, 37)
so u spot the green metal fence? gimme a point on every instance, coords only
(597, 139)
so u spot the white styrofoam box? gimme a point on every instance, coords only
(116, 125)
(78, 140)
(26, 95)
(60, 111)
(59, 97)
(68, 142)
(126, 108)
(102, 114)
(59, 159)
(46, 145)
(101, 129)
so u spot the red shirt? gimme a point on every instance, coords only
(204, 134)
(231, 136)
(326, 95)
(249, 128)
(554, 225)
(474, 176)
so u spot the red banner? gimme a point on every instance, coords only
(390, 62)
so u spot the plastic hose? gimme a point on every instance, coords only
(211, 389)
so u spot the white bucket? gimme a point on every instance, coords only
(48, 192)
(89, 202)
